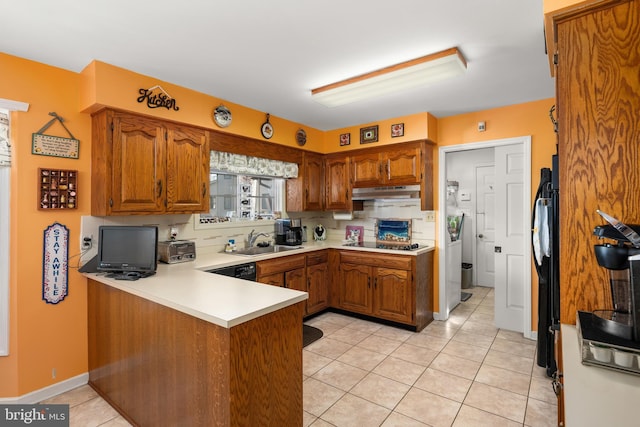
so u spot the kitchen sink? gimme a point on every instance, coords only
(257, 250)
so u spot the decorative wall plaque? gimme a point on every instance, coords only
(57, 189)
(57, 146)
(369, 134)
(55, 263)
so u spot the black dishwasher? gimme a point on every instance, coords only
(245, 271)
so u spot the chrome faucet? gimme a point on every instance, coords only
(251, 239)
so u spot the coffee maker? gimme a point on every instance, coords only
(622, 260)
(289, 231)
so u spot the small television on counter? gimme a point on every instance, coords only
(128, 250)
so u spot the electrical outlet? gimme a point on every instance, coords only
(86, 242)
(53, 373)
(430, 216)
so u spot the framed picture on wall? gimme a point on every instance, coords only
(397, 130)
(369, 134)
(345, 139)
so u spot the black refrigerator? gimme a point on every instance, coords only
(545, 242)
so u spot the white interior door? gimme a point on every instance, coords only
(510, 238)
(485, 225)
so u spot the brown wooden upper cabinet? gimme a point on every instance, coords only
(393, 167)
(147, 166)
(337, 183)
(306, 193)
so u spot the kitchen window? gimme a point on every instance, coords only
(244, 198)
(245, 189)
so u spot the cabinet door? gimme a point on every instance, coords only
(313, 182)
(317, 287)
(366, 170)
(402, 167)
(187, 170)
(392, 291)
(295, 279)
(337, 190)
(138, 165)
(355, 288)
(276, 279)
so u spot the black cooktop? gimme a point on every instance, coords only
(374, 245)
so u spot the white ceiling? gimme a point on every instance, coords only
(268, 55)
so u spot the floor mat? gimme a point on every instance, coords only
(310, 334)
(465, 296)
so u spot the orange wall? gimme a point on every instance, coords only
(531, 118)
(107, 85)
(45, 336)
(42, 336)
(416, 126)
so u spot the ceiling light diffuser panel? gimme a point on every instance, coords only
(395, 78)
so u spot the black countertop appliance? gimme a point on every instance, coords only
(289, 231)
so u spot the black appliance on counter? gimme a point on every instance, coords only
(546, 251)
(245, 271)
(619, 260)
(609, 337)
(289, 231)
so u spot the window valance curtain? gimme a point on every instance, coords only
(247, 165)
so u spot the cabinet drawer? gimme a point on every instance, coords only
(280, 265)
(317, 258)
(376, 260)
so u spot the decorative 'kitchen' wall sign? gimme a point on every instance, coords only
(58, 189)
(55, 263)
(157, 97)
(48, 145)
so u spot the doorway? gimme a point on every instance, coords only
(520, 288)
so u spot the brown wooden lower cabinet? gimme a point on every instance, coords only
(307, 273)
(317, 281)
(397, 288)
(161, 367)
(390, 287)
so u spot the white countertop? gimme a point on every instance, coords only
(224, 301)
(596, 396)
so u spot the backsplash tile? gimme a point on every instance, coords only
(211, 240)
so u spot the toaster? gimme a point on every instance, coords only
(174, 251)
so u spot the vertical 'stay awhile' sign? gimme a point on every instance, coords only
(55, 263)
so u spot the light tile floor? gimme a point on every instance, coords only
(462, 372)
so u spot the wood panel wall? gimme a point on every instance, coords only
(598, 100)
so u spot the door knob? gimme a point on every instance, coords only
(480, 236)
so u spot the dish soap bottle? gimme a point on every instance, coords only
(231, 246)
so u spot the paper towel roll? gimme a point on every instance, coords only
(343, 216)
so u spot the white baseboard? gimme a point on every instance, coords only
(47, 392)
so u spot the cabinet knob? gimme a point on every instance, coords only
(159, 187)
(204, 189)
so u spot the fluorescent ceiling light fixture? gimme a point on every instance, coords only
(395, 78)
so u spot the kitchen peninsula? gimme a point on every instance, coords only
(185, 347)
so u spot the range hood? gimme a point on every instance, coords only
(393, 192)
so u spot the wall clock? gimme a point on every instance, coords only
(222, 116)
(267, 129)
